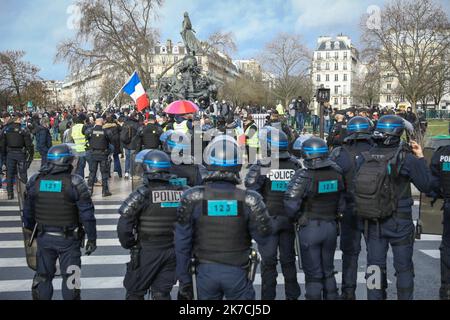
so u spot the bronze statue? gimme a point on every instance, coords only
(188, 34)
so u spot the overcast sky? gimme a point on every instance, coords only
(37, 26)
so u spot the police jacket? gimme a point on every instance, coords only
(316, 192)
(338, 134)
(17, 139)
(148, 137)
(216, 222)
(440, 169)
(409, 169)
(272, 183)
(149, 214)
(99, 139)
(57, 199)
(345, 157)
(188, 174)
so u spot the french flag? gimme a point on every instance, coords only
(136, 91)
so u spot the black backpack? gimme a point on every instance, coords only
(126, 134)
(375, 193)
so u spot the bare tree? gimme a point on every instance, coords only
(108, 89)
(442, 81)
(366, 86)
(16, 74)
(221, 41)
(288, 59)
(245, 90)
(409, 40)
(113, 34)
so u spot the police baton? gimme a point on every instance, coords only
(297, 246)
(193, 270)
(33, 235)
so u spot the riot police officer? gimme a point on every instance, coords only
(178, 146)
(19, 152)
(271, 182)
(440, 169)
(382, 197)
(99, 149)
(146, 226)
(60, 229)
(315, 198)
(216, 223)
(358, 140)
(148, 136)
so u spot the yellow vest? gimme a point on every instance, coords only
(253, 142)
(79, 138)
(181, 126)
(280, 109)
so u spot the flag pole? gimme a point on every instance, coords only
(117, 94)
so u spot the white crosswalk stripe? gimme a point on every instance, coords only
(107, 227)
(117, 282)
(19, 244)
(97, 207)
(436, 254)
(110, 216)
(85, 260)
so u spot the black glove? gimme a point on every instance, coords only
(185, 292)
(91, 246)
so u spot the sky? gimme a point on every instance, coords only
(37, 26)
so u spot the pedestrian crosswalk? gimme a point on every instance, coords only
(103, 272)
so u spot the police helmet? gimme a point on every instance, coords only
(358, 125)
(61, 154)
(314, 148)
(276, 141)
(156, 161)
(297, 147)
(176, 141)
(223, 154)
(390, 125)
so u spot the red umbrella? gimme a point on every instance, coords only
(181, 107)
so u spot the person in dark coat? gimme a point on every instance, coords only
(43, 139)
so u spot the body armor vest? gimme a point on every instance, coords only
(156, 222)
(444, 168)
(322, 199)
(221, 233)
(53, 204)
(275, 185)
(98, 139)
(14, 137)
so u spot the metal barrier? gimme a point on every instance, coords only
(437, 114)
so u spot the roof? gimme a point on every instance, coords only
(342, 46)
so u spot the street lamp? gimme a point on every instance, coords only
(323, 95)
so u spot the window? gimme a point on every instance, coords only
(151, 59)
(337, 45)
(345, 55)
(175, 50)
(345, 65)
(336, 66)
(175, 58)
(319, 55)
(327, 77)
(152, 70)
(388, 98)
(389, 86)
(336, 89)
(199, 60)
(344, 101)
(328, 45)
(163, 49)
(345, 77)
(319, 66)
(336, 77)
(336, 54)
(328, 55)
(336, 101)
(327, 66)
(318, 78)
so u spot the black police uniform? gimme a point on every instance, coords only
(99, 149)
(440, 169)
(272, 183)
(60, 230)
(19, 154)
(314, 198)
(358, 141)
(146, 226)
(395, 227)
(216, 223)
(148, 137)
(337, 135)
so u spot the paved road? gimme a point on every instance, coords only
(102, 273)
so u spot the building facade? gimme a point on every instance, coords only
(335, 66)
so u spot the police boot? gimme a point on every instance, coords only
(10, 196)
(105, 190)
